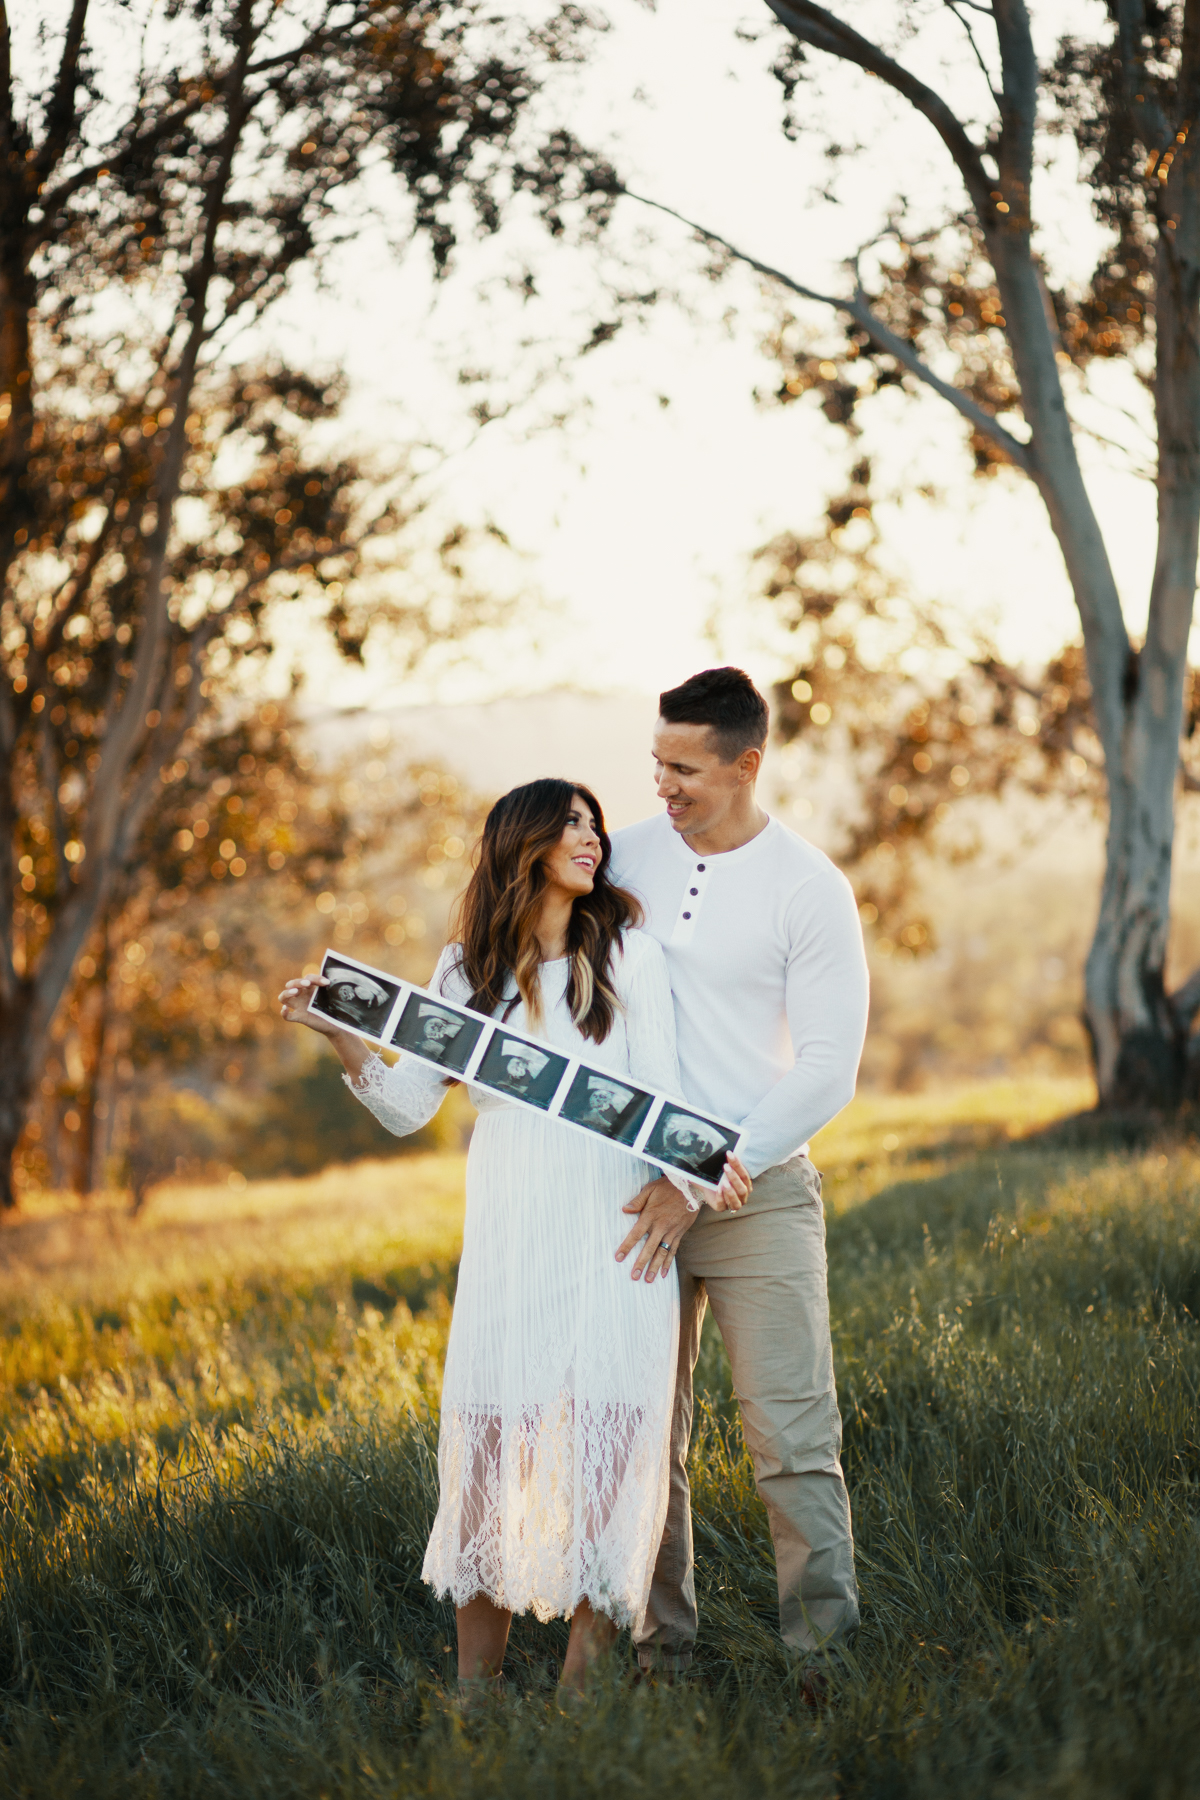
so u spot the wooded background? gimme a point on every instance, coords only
(172, 491)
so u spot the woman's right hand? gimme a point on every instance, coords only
(295, 1004)
(733, 1190)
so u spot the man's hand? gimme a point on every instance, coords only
(662, 1218)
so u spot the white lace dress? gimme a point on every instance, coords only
(560, 1370)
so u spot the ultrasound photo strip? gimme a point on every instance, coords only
(651, 1126)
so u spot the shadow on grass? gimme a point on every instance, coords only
(250, 1619)
(420, 1286)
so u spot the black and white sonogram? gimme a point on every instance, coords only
(439, 1033)
(602, 1103)
(689, 1142)
(356, 996)
(512, 1065)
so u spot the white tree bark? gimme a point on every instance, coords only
(1139, 1033)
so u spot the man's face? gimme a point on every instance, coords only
(439, 1031)
(699, 789)
(518, 1068)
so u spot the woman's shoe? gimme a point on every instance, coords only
(477, 1692)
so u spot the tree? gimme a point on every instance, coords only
(901, 715)
(168, 1049)
(157, 497)
(242, 813)
(970, 312)
(914, 704)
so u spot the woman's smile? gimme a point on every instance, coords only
(574, 860)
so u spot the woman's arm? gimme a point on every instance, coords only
(403, 1097)
(295, 1005)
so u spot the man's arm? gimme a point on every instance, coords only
(827, 1000)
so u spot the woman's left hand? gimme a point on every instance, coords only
(733, 1189)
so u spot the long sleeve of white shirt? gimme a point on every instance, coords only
(768, 975)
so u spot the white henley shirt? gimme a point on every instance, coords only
(768, 973)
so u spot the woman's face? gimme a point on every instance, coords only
(573, 862)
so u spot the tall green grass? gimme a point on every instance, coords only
(216, 1500)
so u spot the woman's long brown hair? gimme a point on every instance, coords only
(498, 913)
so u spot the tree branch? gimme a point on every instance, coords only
(815, 26)
(60, 113)
(127, 731)
(64, 603)
(166, 741)
(882, 336)
(1155, 128)
(1185, 1001)
(136, 150)
(953, 6)
(1018, 110)
(164, 125)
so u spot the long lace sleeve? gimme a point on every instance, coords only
(405, 1095)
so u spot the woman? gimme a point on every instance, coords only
(560, 1371)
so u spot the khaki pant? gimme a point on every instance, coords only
(763, 1271)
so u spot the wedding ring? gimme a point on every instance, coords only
(666, 1244)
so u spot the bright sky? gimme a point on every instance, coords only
(635, 524)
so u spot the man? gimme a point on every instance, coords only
(765, 953)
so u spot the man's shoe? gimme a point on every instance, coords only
(668, 1672)
(815, 1689)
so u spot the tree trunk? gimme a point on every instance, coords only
(91, 1151)
(1139, 1033)
(1139, 1047)
(120, 795)
(17, 1071)
(1139, 1051)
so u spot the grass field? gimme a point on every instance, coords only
(218, 1442)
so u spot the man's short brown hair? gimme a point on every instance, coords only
(727, 701)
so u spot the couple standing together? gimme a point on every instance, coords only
(709, 953)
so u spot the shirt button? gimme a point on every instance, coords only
(699, 868)
(693, 891)
(687, 915)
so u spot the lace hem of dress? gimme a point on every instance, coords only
(599, 1597)
(543, 1506)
